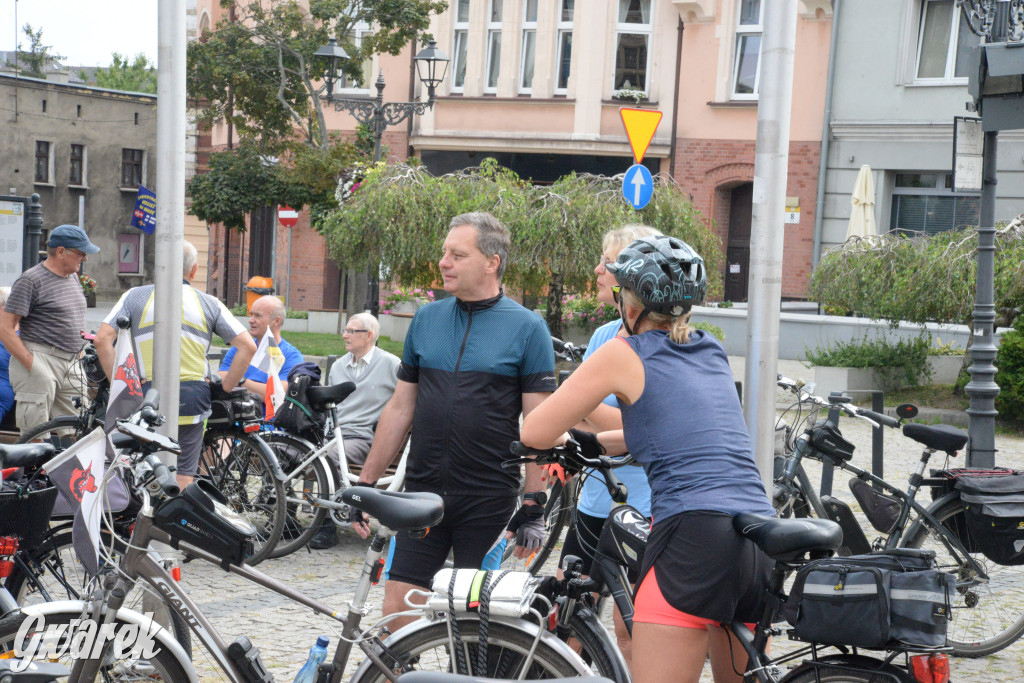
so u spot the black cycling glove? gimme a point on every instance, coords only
(590, 447)
(355, 515)
(528, 526)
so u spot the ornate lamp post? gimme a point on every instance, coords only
(431, 66)
(995, 84)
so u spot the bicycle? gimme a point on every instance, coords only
(217, 535)
(790, 542)
(986, 616)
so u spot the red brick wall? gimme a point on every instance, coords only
(308, 248)
(707, 170)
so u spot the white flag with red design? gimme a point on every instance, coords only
(126, 385)
(270, 360)
(78, 473)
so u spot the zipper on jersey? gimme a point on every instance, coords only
(451, 400)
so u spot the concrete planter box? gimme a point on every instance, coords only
(324, 322)
(295, 325)
(944, 371)
(395, 325)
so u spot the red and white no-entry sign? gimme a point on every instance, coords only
(288, 216)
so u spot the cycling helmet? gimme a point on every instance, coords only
(665, 272)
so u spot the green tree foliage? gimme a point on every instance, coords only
(400, 214)
(244, 179)
(138, 75)
(924, 278)
(1010, 377)
(257, 70)
(38, 57)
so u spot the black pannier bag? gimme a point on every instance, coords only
(296, 415)
(995, 515)
(884, 600)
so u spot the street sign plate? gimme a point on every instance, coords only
(638, 186)
(968, 150)
(288, 216)
(640, 125)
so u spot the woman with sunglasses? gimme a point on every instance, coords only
(594, 501)
(681, 419)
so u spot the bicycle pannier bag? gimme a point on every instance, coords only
(25, 512)
(296, 415)
(995, 515)
(881, 600)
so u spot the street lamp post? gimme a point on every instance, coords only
(431, 65)
(995, 84)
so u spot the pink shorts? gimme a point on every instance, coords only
(651, 608)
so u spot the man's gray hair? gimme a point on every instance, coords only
(368, 322)
(4, 293)
(277, 308)
(190, 258)
(492, 237)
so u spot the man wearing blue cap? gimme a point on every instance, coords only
(48, 303)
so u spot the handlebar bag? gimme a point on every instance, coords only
(994, 511)
(893, 599)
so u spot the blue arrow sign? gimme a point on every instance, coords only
(638, 186)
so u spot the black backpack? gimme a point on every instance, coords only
(296, 415)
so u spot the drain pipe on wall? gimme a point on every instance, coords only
(826, 133)
(675, 102)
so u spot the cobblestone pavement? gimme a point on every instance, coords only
(284, 632)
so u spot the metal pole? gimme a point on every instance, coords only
(170, 215)
(982, 389)
(373, 281)
(771, 162)
(35, 231)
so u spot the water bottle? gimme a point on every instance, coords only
(317, 654)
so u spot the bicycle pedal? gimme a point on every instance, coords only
(247, 657)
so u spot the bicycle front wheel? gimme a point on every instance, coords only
(988, 614)
(160, 664)
(60, 431)
(302, 519)
(597, 646)
(508, 648)
(55, 573)
(240, 466)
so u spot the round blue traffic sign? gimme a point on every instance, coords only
(638, 186)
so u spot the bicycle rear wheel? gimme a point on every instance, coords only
(241, 467)
(429, 649)
(302, 520)
(60, 431)
(987, 615)
(57, 574)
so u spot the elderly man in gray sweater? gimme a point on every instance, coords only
(374, 371)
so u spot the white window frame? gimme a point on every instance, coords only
(564, 32)
(949, 77)
(493, 30)
(528, 28)
(460, 29)
(745, 30)
(85, 166)
(635, 29)
(49, 163)
(359, 29)
(938, 190)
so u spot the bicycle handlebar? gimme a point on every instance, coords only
(568, 350)
(161, 481)
(876, 420)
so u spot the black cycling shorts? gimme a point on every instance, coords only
(470, 527)
(581, 539)
(705, 568)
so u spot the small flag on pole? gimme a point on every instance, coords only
(78, 472)
(270, 360)
(126, 386)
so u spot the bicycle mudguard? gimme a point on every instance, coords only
(163, 637)
(854, 540)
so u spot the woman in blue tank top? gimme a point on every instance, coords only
(681, 419)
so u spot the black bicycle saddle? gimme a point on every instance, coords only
(788, 539)
(397, 511)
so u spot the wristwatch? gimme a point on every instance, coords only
(538, 497)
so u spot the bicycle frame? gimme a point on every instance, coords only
(794, 471)
(139, 563)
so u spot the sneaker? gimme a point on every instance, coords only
(326, 538)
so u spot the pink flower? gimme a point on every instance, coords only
(397, 291)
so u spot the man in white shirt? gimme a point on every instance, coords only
(374, 371)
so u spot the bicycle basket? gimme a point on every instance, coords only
(881, 509)
(26, 514)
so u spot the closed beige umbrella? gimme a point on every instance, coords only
(862, 209)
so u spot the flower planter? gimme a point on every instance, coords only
(90, 300)
(944, 371)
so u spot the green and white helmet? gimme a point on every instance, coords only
(665, 272)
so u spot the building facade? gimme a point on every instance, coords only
(85, 151)
(900, 78)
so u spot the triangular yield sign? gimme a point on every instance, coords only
(640, 126)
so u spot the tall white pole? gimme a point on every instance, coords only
(170, 214)
(771, 161)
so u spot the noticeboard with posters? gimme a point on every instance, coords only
(12, 240)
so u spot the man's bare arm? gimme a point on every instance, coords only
(534, 473)
(106, 338)
(395, 422)
(245, 349)
(11, 341)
